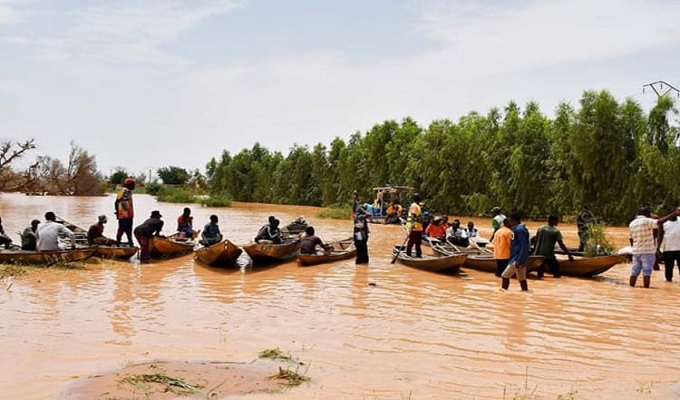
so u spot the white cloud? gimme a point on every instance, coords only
(534, 34)
(132, 30)
(8, 15)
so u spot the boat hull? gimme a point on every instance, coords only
(587, 266)
(222, 254)
(263, 253)
(45, 257)
(162, 247)
(114, 252)
(438, 263)
(486, 262)
(342, 250)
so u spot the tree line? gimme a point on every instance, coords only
(607, 154)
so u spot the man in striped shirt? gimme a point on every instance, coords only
(642, 240)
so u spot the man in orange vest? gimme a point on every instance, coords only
(414, 225)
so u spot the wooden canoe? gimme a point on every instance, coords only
(486, 262)
(116, 252)
(342, 250)
(222, 254)
(436, 263)
(263, 253)
(587, 266)
(168, 247)
(45, 257)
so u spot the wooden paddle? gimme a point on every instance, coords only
(399, 251)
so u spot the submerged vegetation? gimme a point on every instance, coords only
(598, 245)
(160, 382)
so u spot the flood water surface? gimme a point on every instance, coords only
(381, 331)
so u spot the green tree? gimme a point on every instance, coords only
(118, 176)
(173, 175)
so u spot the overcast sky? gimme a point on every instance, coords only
(147, 84)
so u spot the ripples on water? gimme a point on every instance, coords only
(382, 331)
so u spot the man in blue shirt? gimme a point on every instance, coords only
(519, 254)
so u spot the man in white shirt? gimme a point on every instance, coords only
(643, 243)
(457, 235)
(48, 234)
(669, 235)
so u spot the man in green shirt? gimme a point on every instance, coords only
(546, 237)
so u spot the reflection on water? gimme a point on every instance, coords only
(381, 331)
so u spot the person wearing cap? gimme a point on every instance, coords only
(29, 240)
(144, 232)
(497, 220)
(48, 234)
(125, 211)
(414, 226)
(95, 235)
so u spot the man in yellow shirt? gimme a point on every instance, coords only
(414, 225)
(501, 246)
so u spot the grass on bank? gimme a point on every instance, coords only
(336, 212)
(184, 194)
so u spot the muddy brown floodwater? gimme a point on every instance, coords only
(382, 331)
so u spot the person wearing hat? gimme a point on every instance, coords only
(125, 211)
(497, 220)
(144, 232)
(95, 235)
(414, 226)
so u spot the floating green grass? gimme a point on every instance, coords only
(174, 385)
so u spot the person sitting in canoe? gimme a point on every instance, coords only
(144, 232)
(28, 238)
(185, 223)
(394, 211)
(48, 234)
(456, 235)
(95, 235)
(4, 239)
(437, 229)
(211, 232)
(269, 233)
(471, 231)
(310, 243)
